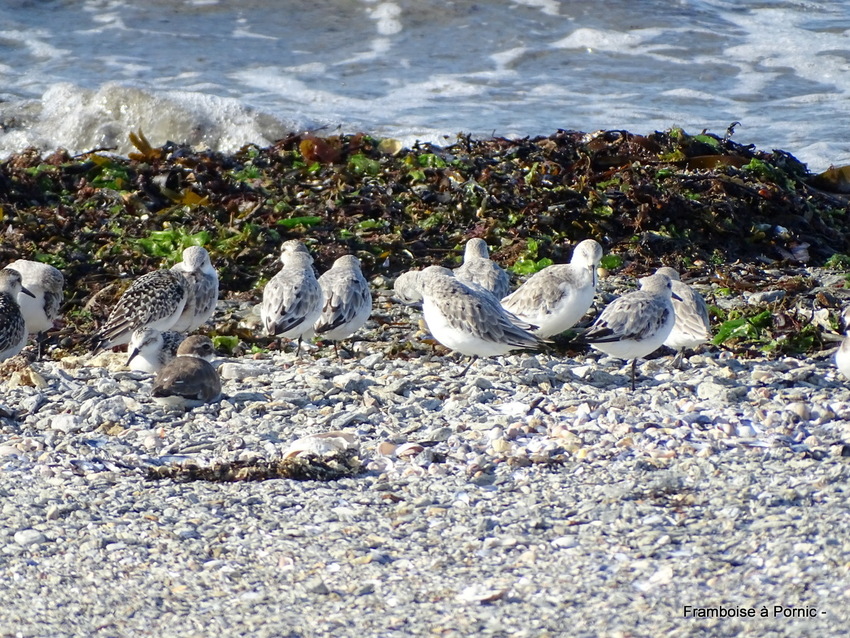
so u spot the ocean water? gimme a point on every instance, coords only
(82, 74)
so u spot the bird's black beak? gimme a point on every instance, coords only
(675, 296)
(132, 356)
(26, 291)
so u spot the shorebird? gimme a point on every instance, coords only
(46, 284)
(558, 296)
(636, 324)
(189, 379)
(407, 287)
(154, 300)
(408, 290)
(292, 299)
(347, 300)
(150, 350)
(201, 289)
(469, 320)
(13, 330)
(478, 268)
(693, 326)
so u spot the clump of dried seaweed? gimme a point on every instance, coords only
(305, 467)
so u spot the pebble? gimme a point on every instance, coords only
(27, 537)
(66, 423)
(765, 297)
(713, 391)
(241, 371)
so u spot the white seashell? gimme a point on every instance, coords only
(513, 408)
(411, 469)
(323, 444)
(408, 449)
(582, 371)
(479, 593)
(746, 430)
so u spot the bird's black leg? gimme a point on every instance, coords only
(466, 369)
(677, 360)
(40, 338)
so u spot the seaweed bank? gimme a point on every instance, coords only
(699, 202)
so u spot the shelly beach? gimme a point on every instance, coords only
(535, 495)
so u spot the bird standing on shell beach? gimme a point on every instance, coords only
(470, 321)
(154, 300)
(347, 300)
(46, 285)
(636, 324)
(292, 299)
(555, 298)
(842, 355)
(693, 326)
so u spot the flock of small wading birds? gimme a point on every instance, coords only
(469, 310)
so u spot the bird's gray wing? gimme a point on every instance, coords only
(542, 292)
(479, 314)
(634, 316)
(345, 295)
(151, 297)
(287, 300)
(691, 311)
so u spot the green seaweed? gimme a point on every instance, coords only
(611, 262)
(746, 328)
(362, 165)
(293, 222)
(170, 244)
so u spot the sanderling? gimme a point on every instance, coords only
(46, 283)
(13, 329)
(189, 379)
(478, 268)
(555, 298)
(408, 290)
(292, 299)
(347, 300)
(693, 326)
(635, 324)
(407, 287)
(842, 355)
(467, 320)
(201, 289)
(294, 246)
(154, 300)
(150, 350)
